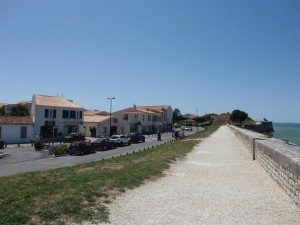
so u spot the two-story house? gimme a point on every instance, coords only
(55, 116)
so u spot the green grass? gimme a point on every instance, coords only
(79, 193)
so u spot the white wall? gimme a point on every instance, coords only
(11, 134)
(60, 122)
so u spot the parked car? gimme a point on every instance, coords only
(120, 140)
(136, 137)
(74, 137)
(81, 148)
(186, 128)
(103, 144)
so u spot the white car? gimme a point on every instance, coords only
(120, 140)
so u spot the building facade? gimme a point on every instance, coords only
(55, 116)
(16, 129)
(96, 123)
(145, 119)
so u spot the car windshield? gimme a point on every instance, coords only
(114, 137)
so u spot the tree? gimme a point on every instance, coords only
(19, 110)
(2, 111)
(238, 115)
(177, 115)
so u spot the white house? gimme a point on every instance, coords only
(96, 123)
(54, 116)
(146, 119)
(16, 129)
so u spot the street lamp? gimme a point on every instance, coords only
(197, 118)
(110, 115)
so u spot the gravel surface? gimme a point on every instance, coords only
(218, 183)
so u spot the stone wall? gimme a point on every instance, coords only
(280, 160)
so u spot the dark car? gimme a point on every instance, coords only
(74, 137)
(103, 144)
(81, 148)
(136, 137)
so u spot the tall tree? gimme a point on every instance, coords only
(238, 116)
(177, 115)
(2, 111)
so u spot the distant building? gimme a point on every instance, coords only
(146, 119)
(260, 127)
(96, 123)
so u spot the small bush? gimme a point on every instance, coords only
(57, 150)
(38, 145)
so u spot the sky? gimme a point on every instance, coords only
(213, 55)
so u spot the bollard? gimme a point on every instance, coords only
(253, 146)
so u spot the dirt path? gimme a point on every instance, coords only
(218, 183)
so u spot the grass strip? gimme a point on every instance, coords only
(81, 193)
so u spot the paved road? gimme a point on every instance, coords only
(26, 159)
(218, 183)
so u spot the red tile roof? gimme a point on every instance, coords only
(16, 120)
(54, 101)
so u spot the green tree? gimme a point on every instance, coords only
(19, 110)
(203, 119)
(177, 116)
(2, 111)
(238, 116)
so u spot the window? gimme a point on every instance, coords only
(46, 113)
(0, 132)
(80, 115)
(73, 114)
(149, 117)
(136, 116)
(23, 132)
(65, 114)
(154, 118)
(50, 113)
(143, 117)
(125, 117)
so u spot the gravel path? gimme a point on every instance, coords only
(218, 183)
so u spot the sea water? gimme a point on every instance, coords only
(287, 131)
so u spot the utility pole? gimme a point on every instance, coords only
(197, 119)
(110, 133)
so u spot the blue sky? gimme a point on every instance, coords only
(214, 55)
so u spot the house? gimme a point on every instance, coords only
(16, 129)
(55, 116)
(146, 119)
(96, 123)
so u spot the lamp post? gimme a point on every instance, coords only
(110, 133)
(197, 118)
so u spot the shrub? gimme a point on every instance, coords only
(57, 150)
(38, 145)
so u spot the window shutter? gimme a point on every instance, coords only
(23, 132)
(46, 113)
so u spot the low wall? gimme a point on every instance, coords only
(280, 160)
